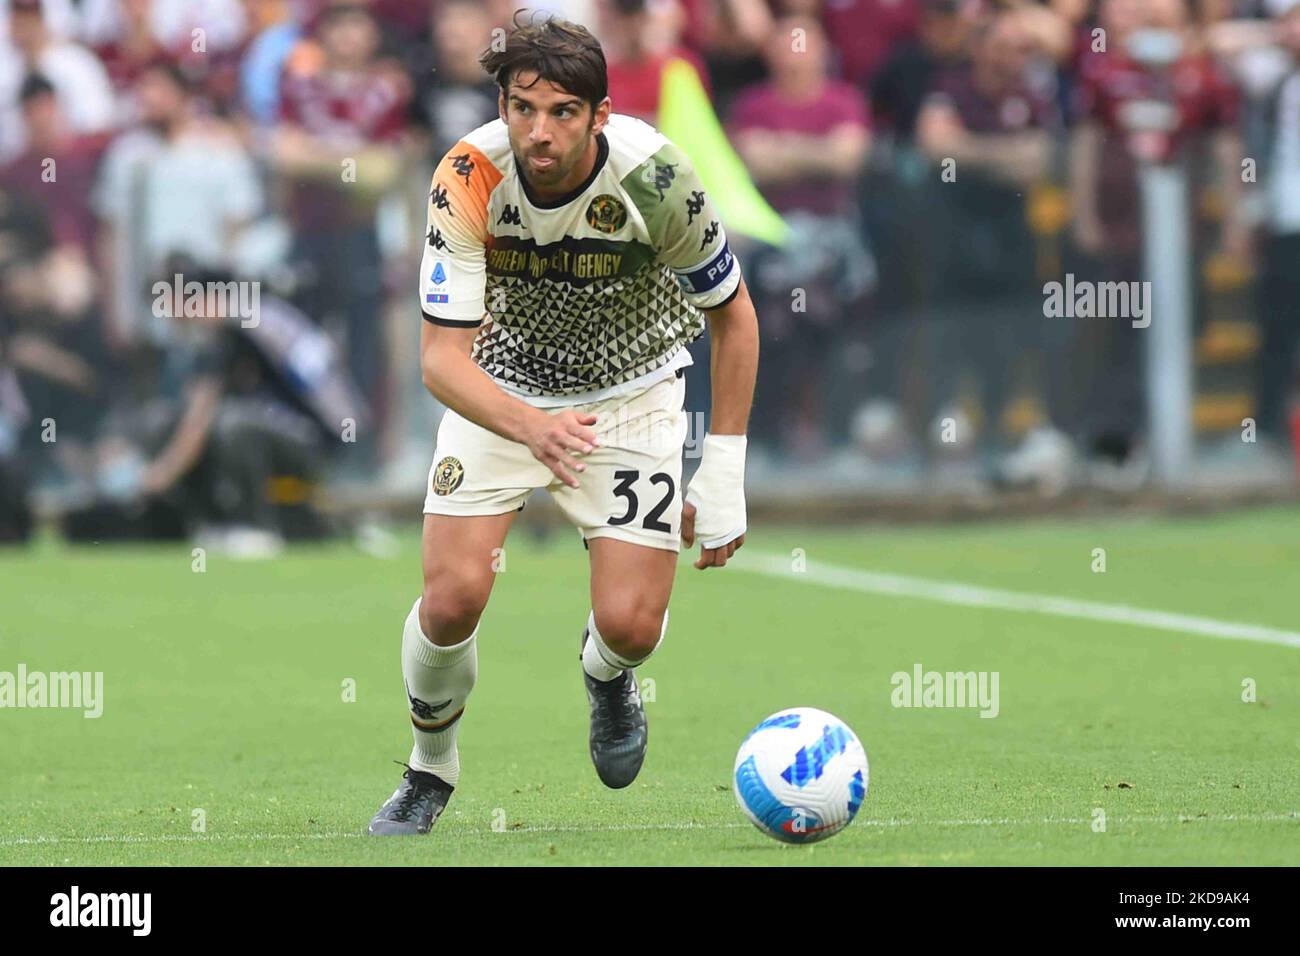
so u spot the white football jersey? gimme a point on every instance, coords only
(586, 296)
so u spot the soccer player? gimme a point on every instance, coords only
(572, 254)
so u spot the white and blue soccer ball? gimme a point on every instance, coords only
(801, 775)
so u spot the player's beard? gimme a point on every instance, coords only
(549, 179)
(545, 178)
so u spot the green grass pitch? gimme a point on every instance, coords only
(224, 694)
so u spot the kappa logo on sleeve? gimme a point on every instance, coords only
(710, 234)
(659, 176)
(463, 165)
(438, 196)
(694, 205)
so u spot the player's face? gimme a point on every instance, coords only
(550, 131)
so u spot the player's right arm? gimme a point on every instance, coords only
(452, 285)
(456, 380)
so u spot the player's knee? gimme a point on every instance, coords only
(450, 607)
(632, 632)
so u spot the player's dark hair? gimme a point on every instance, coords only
(564, 53)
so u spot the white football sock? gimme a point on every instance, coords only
(601, 662)
(438, 682)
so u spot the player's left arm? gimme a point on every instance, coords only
(688, 233)
(733, 334)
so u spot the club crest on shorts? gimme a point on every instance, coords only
(447, 476)
(606, 214)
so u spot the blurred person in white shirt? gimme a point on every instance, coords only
(75, 72)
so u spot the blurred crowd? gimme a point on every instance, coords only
(937, 162)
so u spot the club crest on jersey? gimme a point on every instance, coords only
(447, 476)
(606, 214)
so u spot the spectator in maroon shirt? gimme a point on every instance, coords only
(58, 168)
(74, 71)
(206, 38)
(985, 128)
(134, 47)
(452, 93)
(903, 83)
(58, 342)
(805, 138)
(1105, 153)
(340, 101)
(985, 114)
(639, 42)
(340, 146)
(730, 36)
(864, 32)
(1278, 292)
(1105, 156)
(404, 25)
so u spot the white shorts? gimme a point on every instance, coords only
(631, 489)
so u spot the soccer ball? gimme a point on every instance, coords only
(801, 775)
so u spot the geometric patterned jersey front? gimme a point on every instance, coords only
(586, 297)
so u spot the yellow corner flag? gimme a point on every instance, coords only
(686, 117)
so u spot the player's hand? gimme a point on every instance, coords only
(556, 439)
(709, 557)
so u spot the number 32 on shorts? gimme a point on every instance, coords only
(626, 478)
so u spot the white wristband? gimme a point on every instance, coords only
(717, 490)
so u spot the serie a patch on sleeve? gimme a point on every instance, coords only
(437, 284)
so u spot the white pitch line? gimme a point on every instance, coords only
(980, 822)
(1292, 817)
(968, 595)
